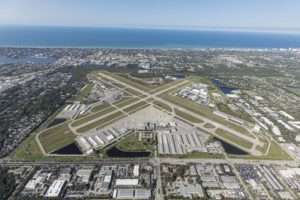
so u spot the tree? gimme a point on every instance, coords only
(7, 183)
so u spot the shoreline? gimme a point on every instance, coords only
(280, 49)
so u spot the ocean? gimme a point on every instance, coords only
(26, 36)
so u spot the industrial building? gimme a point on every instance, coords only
(196, 92)
(55, 189)
(141, 194)
(72, 110)
(181, 138)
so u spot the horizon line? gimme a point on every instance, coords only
(183, 28)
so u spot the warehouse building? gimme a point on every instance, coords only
(55, 189)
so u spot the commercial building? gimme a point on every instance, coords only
(127, 182)
(55, 188)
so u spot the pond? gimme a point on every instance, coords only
(117, 153)
(223, 87)
(71, 149)
(230, 149)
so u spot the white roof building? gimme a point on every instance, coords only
(84, 174)
(31, 185)
(142, 193)
(127, 182)
(125, 194)
(55, 188)
(107, 179)
(136, 169)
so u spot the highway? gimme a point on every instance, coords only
(157, 160)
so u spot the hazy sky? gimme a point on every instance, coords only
(282, 14)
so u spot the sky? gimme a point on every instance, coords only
(253, 14)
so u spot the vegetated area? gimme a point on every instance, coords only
(57, 137)
(133, 143)
(162, 105)
(136, 107)
(133, 92)
(26, 106)
(187, 116)
(196, 155)
(92, 116)
(233, 138)
(139, 82)
(209, 126)
(60, 136)
(133, 82)
(100, 107)
(205, 80)
(203, 111)
(28, 150)
(84, 92)
(242, 115)
(125, 101)
(101, 122)
(265, 147)
(275, 153)
(204, 155)
(165, 86)
(7, 183)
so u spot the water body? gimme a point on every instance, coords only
(70, 149)
(27, 59)
(223, 88)
(117, 153)
(230, 149)
(26, 36)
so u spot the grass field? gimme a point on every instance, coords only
(275, 153)
(57, 137)
(209, 126)
(162, 105)
(123, 99)
(212, 88)
(139, 108)
(242, 115)
(264, 148)
(204, 111)
(196, 155)
(101, 122)
(100, 107)
(92, 116)
(125, 102)
(84, 92)
(226, 136)
(165, 86)
(202, 79)
(133, 92)
(187, 116)
(125, 79)
(136, 107)
(132, 143)
(28, 150)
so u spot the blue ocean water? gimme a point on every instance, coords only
(25, 36)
